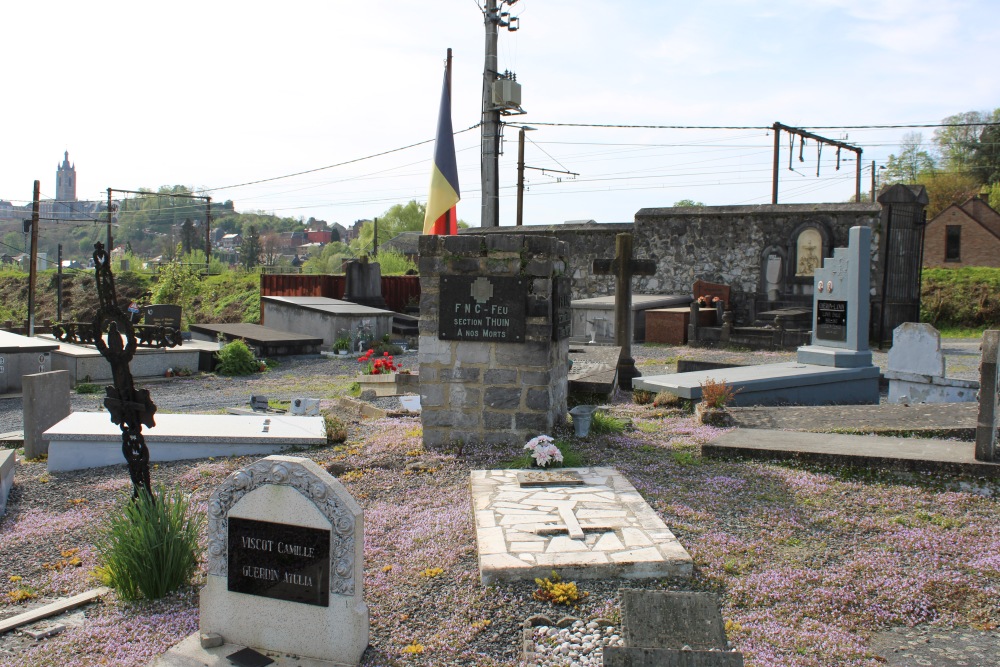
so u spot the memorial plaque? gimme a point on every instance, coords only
(562, 309)
(549, 478)
(163, 315)
(279, 561)
(480, 308)
(831, 320)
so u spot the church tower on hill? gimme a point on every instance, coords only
(66, 181)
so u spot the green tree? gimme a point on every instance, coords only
(250, 248)
(956, 144)
(687, 202)
(985, 159)
(912, 161)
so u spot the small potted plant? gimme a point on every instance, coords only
(342, 345)
(384, 375)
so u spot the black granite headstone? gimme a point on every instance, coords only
(279, 561)
(163, 315)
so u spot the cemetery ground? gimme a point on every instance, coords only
(813, 565)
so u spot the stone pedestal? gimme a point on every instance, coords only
(46, 403)
(493, 360)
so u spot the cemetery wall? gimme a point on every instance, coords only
(724, 244)
(720, 244)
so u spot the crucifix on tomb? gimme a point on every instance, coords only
(623, 267)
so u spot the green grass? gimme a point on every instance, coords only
(88, 388)
(150, 547)
(604, 424)
(961, 332)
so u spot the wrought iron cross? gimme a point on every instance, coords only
(130, 408)
(623, 267)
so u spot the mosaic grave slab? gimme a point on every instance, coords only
(598, 529)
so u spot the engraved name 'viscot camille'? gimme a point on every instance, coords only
(260, 544)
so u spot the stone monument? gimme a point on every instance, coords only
(45, 403)
(986, 425)
(624, 267)
(493, 338)
(916, 372)
(841, 296)
(286, 563)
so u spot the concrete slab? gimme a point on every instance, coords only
(8, 461)
(921, 454)
(85, 364)
(189, 653)
(321, 317)
(597, 530)
(596, 315)
(265, 341)
(772, 384)
(90, 440)
(21, 355)
(594, 369)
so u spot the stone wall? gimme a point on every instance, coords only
(584, 243)
(724, 244)
(719, 244)
(485, 391)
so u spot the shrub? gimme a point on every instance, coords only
(557, 592)
(716, 393)
(665, 399)
(88, 388)
(336, 430)
(236, 359)
(642, 397)
(149, 548)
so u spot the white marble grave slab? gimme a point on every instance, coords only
(598, 530)
(91, 440)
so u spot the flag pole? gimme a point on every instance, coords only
(450, 223)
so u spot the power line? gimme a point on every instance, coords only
(331, 166)
(759, 127)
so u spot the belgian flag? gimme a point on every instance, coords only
(440, 217)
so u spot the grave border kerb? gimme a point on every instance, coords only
(284, 471)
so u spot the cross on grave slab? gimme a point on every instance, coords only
(624, 267)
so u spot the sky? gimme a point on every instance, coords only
(217, 94)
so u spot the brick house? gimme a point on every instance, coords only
(963, 235)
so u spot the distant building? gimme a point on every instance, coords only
(230, 242)
(65, 206)
(405, 243)
(965, 234)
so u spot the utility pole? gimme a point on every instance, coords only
(109, 246)
(32, 266)
(873, 181)
(208, 235)
(778, 127)
(520, 176)
(491, 123)
(59, 285)
(493, 18)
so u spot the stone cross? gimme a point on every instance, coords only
(623, 267)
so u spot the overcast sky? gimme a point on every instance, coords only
(215, 94)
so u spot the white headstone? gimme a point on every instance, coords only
(305, 407)
(916, 348)
(286, 562)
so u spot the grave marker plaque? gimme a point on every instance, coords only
(279, 561)
(480, 308)
(831, 320)
(163, 315)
